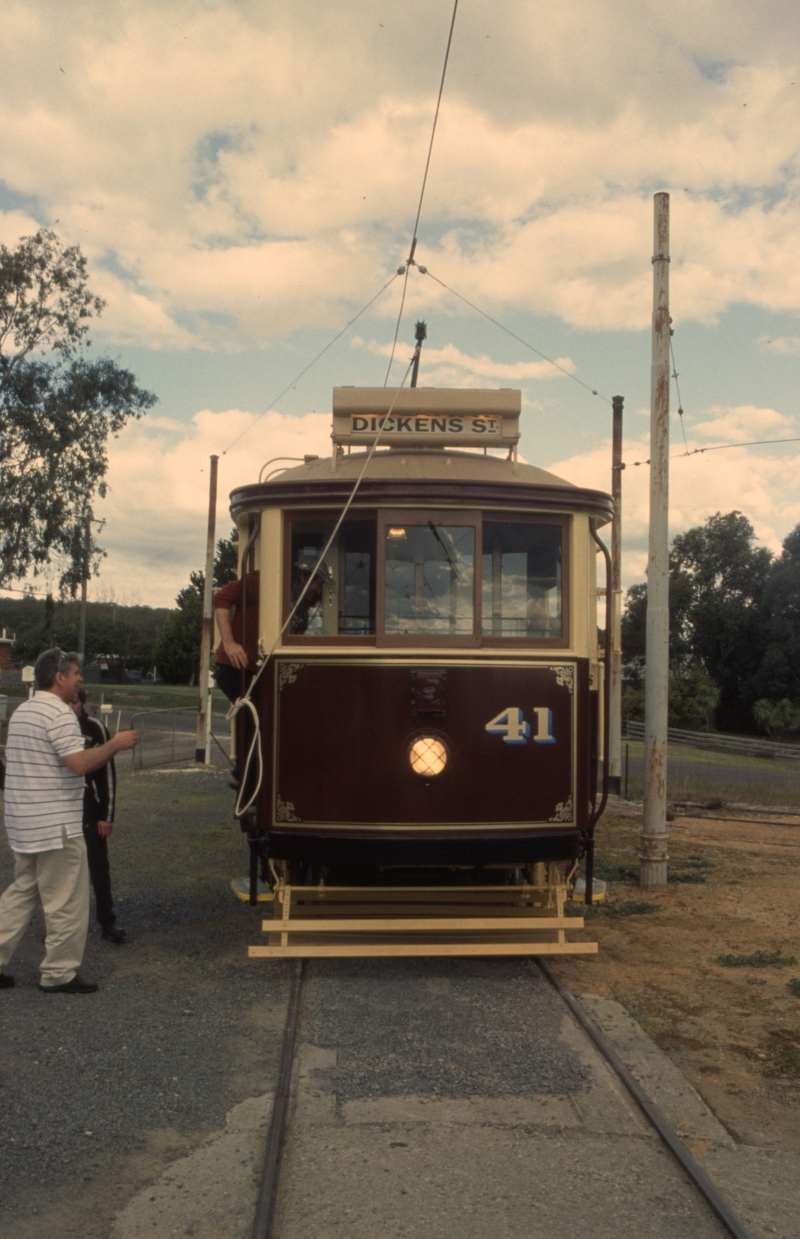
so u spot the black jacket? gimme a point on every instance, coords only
(101, 785)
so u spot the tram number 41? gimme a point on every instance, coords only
(510, 724)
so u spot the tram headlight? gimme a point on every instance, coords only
(427, 756)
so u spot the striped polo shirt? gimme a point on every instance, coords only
(43, 798)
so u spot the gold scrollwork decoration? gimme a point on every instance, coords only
(284, 811)
(563, 811)
(565, 677)
(287, 674)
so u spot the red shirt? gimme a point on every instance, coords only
(230, 598)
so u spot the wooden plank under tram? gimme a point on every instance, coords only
(348, 922)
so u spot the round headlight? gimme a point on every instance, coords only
(427, 756)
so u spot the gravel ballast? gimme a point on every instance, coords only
(100, 1091)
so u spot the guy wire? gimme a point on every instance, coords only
(513, 334)
(313, 362)
(412, 250)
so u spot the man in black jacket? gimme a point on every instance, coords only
(98, 821)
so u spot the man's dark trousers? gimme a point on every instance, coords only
(99, 872)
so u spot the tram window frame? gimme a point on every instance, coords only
(422, 517)
(293, 518)
(476, 519)
(510, 517)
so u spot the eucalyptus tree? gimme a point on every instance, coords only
(59, 404)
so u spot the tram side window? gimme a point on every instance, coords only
(340, 600)
(521, 580)
(429, 579)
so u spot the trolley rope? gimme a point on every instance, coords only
(268, 1192)
(245, 702)
(651, 1112)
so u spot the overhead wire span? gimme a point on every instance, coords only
(716, 447)
(245, 702)
(677, 389)
(509, 332)
(313, 362)
(410, 260)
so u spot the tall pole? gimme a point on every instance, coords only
(653, 856)
(615, 669)
(203, 738)
(87, 541)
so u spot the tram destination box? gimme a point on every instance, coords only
(426, 416)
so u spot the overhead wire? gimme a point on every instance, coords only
(509, 332)
(716, 447)
(678, 390)
(313, 362)
(412, 249)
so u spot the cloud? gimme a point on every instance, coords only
(759, 483)
(157, 507)
(459, 363)
(253, 169)
(785, 345)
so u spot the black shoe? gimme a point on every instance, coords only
(78, 985)
(112, 934)
(6, 982)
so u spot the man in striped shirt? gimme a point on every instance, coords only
(46, 765)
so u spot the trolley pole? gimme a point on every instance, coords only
(202, 752)
(615, 668)
(653, 856)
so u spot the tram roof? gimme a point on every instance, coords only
(423, 474)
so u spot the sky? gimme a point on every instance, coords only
(243, 179)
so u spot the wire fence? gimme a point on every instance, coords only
(168, 737)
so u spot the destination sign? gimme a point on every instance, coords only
(428, 425)
(426, 416)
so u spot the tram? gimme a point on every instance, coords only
(430, 698)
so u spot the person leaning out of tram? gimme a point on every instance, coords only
(235, 663)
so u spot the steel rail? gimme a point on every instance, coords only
(268, 1192)
(677, 1148)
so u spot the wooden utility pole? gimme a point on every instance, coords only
(87, 545)
(653, 856)
(615, 669)
(203, 739)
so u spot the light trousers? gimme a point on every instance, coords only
(59, 881)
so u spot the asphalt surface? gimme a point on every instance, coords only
(99, 1091)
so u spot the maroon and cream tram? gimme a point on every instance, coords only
(435, 701)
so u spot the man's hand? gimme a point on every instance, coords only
(92, 759)
(125, 740)
(236, 654)
(104, 829)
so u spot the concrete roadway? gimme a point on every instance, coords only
(457, 1099)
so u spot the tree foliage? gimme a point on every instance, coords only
(58, 407)
(177, 650)
(776, 717)
(719, 584)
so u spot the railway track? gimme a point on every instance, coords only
(266, 1215)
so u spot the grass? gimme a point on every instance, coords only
(793, 986)
(689, 871)
(633, 907)
(759, 959)
(710, 779)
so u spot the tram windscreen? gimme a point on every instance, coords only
(429, 580)
(521, 580)
(341, 598)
